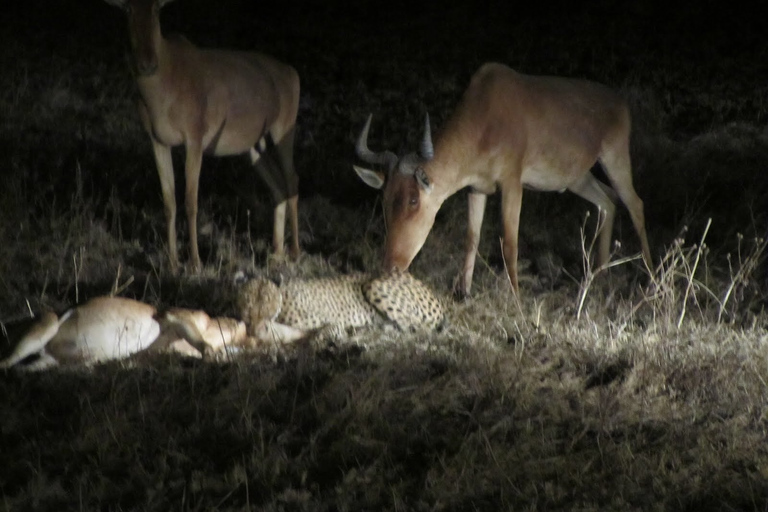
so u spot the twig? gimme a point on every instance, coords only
(586, 253)
(692, 272)
(746, 267)
(77, 272)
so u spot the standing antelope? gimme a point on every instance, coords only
(509, 131)
(222, 102)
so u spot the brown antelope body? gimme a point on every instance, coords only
(510, 131)
(216, 101)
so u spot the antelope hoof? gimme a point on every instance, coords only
(208, 353)
(173, 267)
(195, 267)
(460, 292)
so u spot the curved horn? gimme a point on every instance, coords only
(361, 148)
(427, 151)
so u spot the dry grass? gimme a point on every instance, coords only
(595, 390)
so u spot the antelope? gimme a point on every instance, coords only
(192, 333)
(214, 101)
(112, 328)
(510, 131)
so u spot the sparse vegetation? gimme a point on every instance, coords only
(594, 390)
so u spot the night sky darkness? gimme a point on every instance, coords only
(708, 33)
(721, 41)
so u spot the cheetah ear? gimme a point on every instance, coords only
(240, 278)
(277, 278)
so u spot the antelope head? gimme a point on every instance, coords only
(408, 202)
(144, 32)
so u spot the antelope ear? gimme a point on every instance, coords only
(176, 324)
(371, 178)
(423, 180)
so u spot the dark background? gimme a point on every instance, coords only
(694, 73)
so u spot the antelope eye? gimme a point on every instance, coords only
(413, 200)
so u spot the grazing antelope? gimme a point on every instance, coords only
(216, 101)
(110, 328)
(509, 131)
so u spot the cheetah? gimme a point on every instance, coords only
(298, 308)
